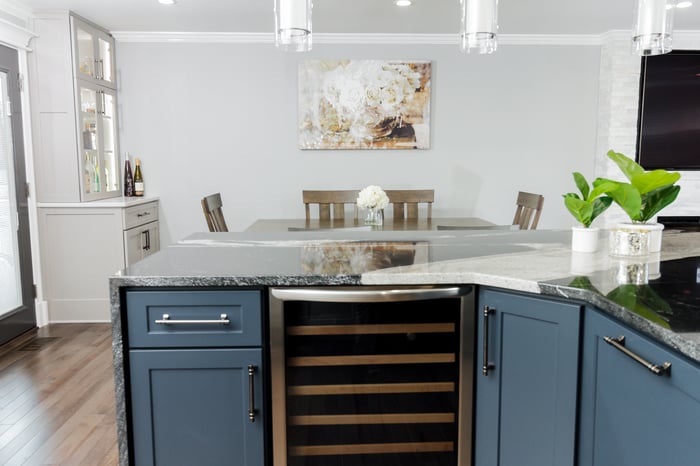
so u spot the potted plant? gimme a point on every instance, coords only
(643, 197)
(585, 208)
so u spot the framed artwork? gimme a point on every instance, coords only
(364, 104)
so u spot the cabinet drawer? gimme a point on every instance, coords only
(155, 318)
(140, 214)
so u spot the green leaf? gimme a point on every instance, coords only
(656, 200)
(649, 181)
(628, 297)
(626, 196)
(582, 184)
(602, 186)
(580, 209)
(599, 206)
(629, 167)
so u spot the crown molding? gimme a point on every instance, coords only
(16, 9)
(15, 36)
(326, 38)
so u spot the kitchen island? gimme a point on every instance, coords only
(529, 262)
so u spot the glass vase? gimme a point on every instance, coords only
(375, 217)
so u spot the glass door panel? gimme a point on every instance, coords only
(104, 51)
(11, 289)
(109, 143)
(86, 52)
(89, 140)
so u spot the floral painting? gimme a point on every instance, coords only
(364, 104)
(351, 257)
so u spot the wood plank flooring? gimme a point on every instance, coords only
(57, 397)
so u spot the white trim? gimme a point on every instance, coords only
(42, 313)
(16, 9)
(15, 36)
(325, 38)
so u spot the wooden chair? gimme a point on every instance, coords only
(211, 205)
(330, 202)
(528, 210)
(405, 202)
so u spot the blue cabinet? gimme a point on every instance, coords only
(630, 416)
(196, 377)
(527, 393)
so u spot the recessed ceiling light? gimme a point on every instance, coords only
(167, 2)
(684, 4)
(403, 2)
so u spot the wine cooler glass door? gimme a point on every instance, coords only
(372, 383)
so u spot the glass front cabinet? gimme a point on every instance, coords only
(74, 107)
(98, 140)
(93, 54)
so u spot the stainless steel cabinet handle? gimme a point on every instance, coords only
(486, 364)
(619, 344)
(336, 295)
(165, 320)
(251, 389)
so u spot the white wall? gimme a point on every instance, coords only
(222, 117)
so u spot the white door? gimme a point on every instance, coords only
(10, 279)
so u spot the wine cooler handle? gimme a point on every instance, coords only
(251, 389)
(619, 344)
(165, 320)
(368, 296)
(486, 365)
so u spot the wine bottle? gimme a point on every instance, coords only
(128, 178)
(89, 174)
(138, 179)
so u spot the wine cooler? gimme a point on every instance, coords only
(372, 376)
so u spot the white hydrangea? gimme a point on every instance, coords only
(372, 197)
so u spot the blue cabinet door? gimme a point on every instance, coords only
(191, 407)
(629, 415)
(526, 402)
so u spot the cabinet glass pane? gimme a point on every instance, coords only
(89, 141)
(86, 52)
(105, 60)
(109, 147)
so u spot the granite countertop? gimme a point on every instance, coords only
(658, 295)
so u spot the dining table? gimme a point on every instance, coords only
(270, 225)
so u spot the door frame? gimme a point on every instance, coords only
(17, 35)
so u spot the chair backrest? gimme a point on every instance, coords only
(211, 205)
(528, 210)
(330, 202)
(405, 202)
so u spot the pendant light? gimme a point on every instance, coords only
(293, 25)
(653, 27)
(479, 26)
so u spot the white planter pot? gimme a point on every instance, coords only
(584, 239)
(654, 229)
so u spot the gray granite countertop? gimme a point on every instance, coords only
(531, 261)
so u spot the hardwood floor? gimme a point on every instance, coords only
(57, 397)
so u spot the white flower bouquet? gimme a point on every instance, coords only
(372, 197)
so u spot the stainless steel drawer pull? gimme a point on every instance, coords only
(165, 320)
(619, 343)
(251, 389)
(486, 364)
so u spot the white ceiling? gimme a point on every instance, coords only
(360, 16)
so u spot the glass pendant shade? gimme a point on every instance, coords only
(653, 27)
(479, 26)
(293, 25)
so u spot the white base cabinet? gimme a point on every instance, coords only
(83, 244)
